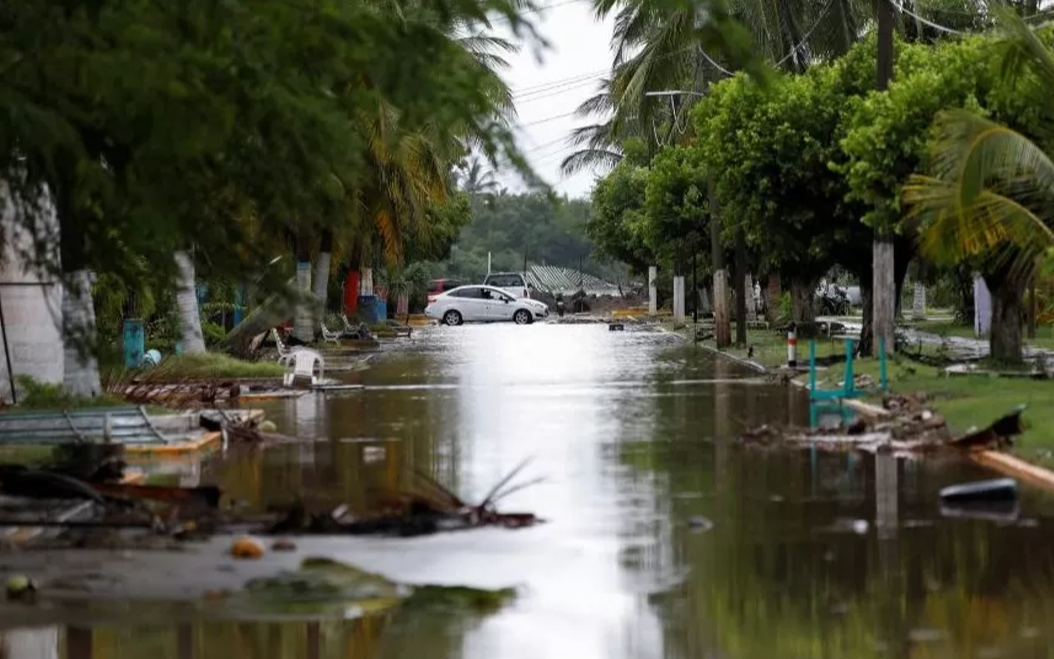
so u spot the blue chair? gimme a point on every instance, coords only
(831, 400)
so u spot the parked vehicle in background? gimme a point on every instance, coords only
(484, 304)
(436, 287)
(512, 283)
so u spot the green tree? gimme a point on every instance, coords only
(987, 200)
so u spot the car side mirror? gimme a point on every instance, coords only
(505, 300)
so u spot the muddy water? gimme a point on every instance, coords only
(662, 541)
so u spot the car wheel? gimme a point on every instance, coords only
(522, 317)
(452, 318)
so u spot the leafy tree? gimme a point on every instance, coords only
(618, 224)
(988, 198)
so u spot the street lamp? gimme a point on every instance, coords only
(674, 92)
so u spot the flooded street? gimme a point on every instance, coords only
(663, 538)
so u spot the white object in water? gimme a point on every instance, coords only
(304, 361)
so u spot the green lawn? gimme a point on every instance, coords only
(213, 366)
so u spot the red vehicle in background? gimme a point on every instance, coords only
(439, 286)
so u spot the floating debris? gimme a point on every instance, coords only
(911, 427)
(998, 489)
(21, 588)
(246, 547)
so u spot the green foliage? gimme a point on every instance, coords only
(888, 134)
(618, 224)
(677, 205)
(151, 125)
(44, 396)
(514, 226)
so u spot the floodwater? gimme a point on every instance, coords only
(664, 539)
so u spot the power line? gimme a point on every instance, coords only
(925, 21)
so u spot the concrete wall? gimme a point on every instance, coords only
(32, 304)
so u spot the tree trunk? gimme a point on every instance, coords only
(273, 311)
(722, 327)
(752, 307)
(867, 335)
(322, 265)
(803, 304)
(772, 300)
(1004, 340)
(918, 301)
(187, 303)
(81, 376)
(741, 287)
(883, 294)
(304, 316)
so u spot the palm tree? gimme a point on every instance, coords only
(988, 198)
(409, 166)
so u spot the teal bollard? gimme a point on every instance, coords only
(134, 339)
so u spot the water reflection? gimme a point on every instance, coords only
(809, 555)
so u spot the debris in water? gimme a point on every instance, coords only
(1003, 512)
(998, 489)
(21, 588)
(911, 428)
(246, 547)
(432, 508)
(999, 435)
(699, 524)
(283, 544)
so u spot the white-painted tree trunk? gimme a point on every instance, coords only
(81, 377)
(918, 302)
(678, 302)
(321, 283)
(187, 303)
(304, 317)
(722, 319)
(31, 299)
(402, 305)
(30, 643)
(752, 305)
(653, 302)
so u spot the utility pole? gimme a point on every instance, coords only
(883, 286)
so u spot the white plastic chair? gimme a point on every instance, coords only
(304, 361)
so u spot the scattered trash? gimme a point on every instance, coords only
(433, 509)
(1003, 512)
(911, 428)
(616, 327)
(998, 489)
(283, 544)
(246, 547)
(699, 524)
(21, 588)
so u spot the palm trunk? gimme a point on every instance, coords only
(322, 265)
(81, 376)
(1004, 339)
(187, 303)
(272, 311)
(752, 307)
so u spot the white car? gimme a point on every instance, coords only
(484, 304)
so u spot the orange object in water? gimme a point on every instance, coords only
(246, 547)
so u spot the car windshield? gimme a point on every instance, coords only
(503, 281)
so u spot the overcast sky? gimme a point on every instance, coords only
(547, 92)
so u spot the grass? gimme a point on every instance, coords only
(964, 401)
(212, 366)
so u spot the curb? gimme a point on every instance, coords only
(753, 365)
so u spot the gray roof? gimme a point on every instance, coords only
(554, 279)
